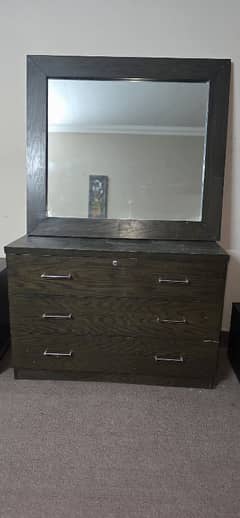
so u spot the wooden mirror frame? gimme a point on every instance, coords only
(42, 68)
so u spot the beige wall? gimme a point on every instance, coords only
(150, 176)
(109, 27)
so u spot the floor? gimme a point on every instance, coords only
(102, 450)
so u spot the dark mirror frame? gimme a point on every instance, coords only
(42, 68)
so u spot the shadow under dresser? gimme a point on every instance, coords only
(119, 310)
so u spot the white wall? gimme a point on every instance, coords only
(149, 176)
(186, 28)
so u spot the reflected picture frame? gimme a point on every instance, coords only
(98, 196)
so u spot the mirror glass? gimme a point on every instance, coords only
(126, 149)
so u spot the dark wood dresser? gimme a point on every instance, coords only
(123, 310)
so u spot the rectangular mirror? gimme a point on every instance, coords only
(126, 149)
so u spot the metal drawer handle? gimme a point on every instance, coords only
(114, 262)
(68, 276)
(47, 315)
(169, 321)
(58, 355)
(158, 358)
(173, 281)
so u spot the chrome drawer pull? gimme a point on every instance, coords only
(173, 281)
(114, 262)
(68, 276)
(47, 315)
(169, 321)
(58, 355)
(158, 358)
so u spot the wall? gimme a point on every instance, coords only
(189, 28)
(150, 176)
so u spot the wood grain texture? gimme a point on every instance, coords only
(216, 150)
(117, 355)
(116, 327)
(116, 316)
(109, 67)
(82, 246)
(123, 228)
(36, 144)
(214, 71)
(135, 275)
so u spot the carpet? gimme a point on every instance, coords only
(106, 450)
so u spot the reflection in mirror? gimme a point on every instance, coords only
(126, 149)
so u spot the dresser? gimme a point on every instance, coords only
(146, 311)
(119, 276)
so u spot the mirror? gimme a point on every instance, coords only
(126, 149)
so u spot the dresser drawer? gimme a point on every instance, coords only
(115, 354)
(129, 276)
(43, 316)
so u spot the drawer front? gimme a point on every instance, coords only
(115, 355)
(44, 316)
(200, 279)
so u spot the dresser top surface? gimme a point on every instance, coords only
(57, 246)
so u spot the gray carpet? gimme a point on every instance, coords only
(101, 450)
